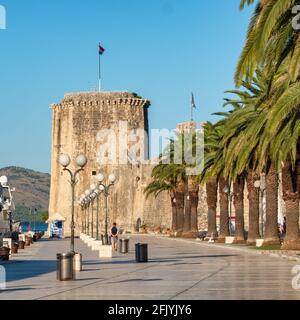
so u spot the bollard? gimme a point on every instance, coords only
(14, 248)
(77, 262)
(106, 240)
(21, 245)
(27, 242)
(124, 246)
(4, 253)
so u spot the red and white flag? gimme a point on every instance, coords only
(101, 49)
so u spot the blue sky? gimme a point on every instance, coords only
(161, 49)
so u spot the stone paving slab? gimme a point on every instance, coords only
(177, 269)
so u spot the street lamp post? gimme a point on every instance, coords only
(105, 189)
(259, 184)
(227, 190)
(85, 217)
(82, 204)
(93, 196)
(88, 202)
(65, 161)
(97, 193)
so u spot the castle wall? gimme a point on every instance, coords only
(77, 121)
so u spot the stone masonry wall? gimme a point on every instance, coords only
(76, 122)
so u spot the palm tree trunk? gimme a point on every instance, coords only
(291, 200)
(271, 230)
(224, 215)
(179, 195)
(253, 197)
(194, 199)
(193, 194)
(211, 198)
(187, 212)
(238, 191)
(174, 214)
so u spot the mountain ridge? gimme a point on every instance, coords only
(32, 191)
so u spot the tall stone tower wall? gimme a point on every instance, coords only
(77, 121)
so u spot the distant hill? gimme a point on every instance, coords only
(32, 191)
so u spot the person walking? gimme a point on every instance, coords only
(114, 235)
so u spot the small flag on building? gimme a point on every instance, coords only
(101, 49)
(193, 101)
(193, 106)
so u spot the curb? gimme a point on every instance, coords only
(229, 247)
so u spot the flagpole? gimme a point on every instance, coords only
(100, 84)
(192, 107)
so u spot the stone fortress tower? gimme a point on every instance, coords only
(77, 121)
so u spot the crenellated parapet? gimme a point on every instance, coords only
(98, 99)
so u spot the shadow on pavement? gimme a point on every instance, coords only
(209, 256)
(135, 280)
(15, 290)
(89, 279)
(28, 269)
(157, 260)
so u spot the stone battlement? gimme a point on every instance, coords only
(94, 99)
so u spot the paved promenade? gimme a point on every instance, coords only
(176, 270)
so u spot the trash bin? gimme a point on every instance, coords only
(106, 240)
(141, 252)
(14, 248)
(4, 253)
(65, 270)
(21, 245)
(77, 262)
(124, 246)
(27, 242)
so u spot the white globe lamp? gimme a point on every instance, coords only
(100, 177)
(64, 160)
(81, 160)
(112, 178)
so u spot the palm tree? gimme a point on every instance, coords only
(172, 177)
(273, 44)
(247, 149)
(271, 40)
(213, 173)
(208, 175)
(284, 131)
(215, 167)
(187, 142)
(156, 187)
